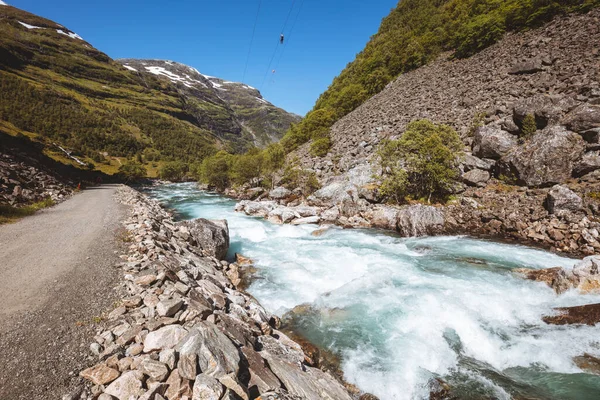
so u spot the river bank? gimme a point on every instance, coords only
(560, 219)
(185, 331)
(401, 311)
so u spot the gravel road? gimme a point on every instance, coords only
(58, 277)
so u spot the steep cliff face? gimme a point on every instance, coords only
(235, 110)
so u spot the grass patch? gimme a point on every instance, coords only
(11, 214)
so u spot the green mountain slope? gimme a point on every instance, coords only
(236, 110)
(415, 33)
(59, 89)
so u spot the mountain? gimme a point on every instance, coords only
(234, 109)
(59, 90)
(414, 34)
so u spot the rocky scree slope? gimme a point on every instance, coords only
(551, 73)
(234, 108)
(185, 331)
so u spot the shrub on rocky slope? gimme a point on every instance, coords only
(414, 34)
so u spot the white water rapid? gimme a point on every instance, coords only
(400, 312)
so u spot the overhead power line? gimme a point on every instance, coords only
(278, 44)
(251, 41)
(289, 36)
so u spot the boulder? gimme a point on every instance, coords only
(590, 162)
(154, 369)
(476, 177)
(100, 374)
(211, 236)
(333, 193)
(307, 220)
(261, 376)
(207, 388)
(561, 198)
(588, 314)
(258, 208)
(541, 107)
(217, 356)
(419, 220)
(331, 215)
(126, 387)
(492, 142)
(591, 136)
(307, 382)
(471, 162)
(526, 67)
(168, 308)
(547, 159)
(279, 193)
(384, 217)
(583, 118)
(164, 338)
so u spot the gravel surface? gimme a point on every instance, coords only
(58, 278)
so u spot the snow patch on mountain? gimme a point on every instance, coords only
(3, 3)
(24, 24)
(72, 35)
(187, 81)
(130, 68)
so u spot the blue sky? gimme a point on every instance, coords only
(214, 37)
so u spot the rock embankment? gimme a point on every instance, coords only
(185, 331)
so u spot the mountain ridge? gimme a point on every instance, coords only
(247, 113)
(57, 88)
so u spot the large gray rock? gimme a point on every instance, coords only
(384, 217)
(212, 236)
(217, 355)
(471, 162)
(258, 208)
(419, 220)
(547, 159)
(279, 193)
(127, 386)
(588, 163)
(541, 107)
(526, 67)
(164, 338)
(492, 142)
(260, 375)
(307, 220)
(207, 388)
(476, 177)
(583, 118)
(562, 198)
(306, 382)
(334, 193)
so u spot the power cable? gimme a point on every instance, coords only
(251, 41)
(287, 40)
(278, 44)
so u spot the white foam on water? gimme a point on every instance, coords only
(402, 311)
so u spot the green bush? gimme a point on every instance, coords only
(528, 127)
(478, 34)
(247, 168)
(295, 177)
(423, 163)
(132, 171)
(215, 170)
(173, 171)
(320, 147)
